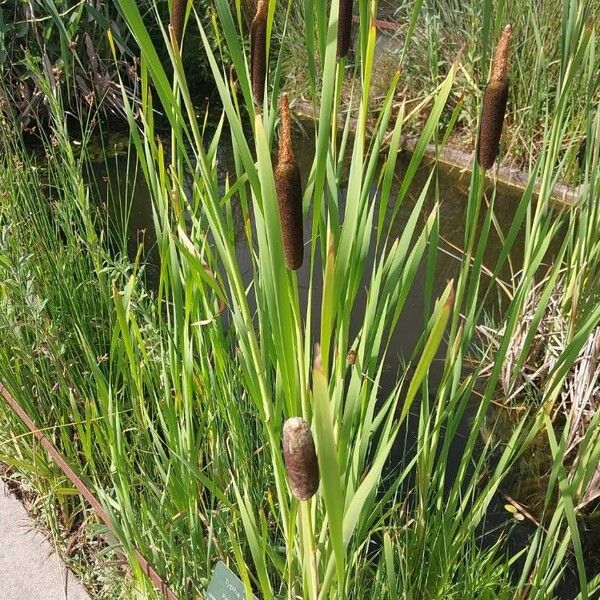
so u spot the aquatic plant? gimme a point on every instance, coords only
(344, 27)
(493, 108)
(170, 400)
(258, 50)
(289, 191)
(178, 9)
(300, 458)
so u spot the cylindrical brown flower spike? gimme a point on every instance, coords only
(494, 105)
(344, 28)
(300, 458)
(289, 192)
(258, 50)
(177, 19)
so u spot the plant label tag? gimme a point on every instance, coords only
(225, 585)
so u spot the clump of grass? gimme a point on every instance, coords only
(300, 458)
(494, 105)
(344, 28)
(258, 48)
(289, 192)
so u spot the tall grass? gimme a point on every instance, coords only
(172, 403)
(56, 271)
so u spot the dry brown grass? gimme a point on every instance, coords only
(526, 383)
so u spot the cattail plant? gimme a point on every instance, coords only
(344, 28)
(289, 192)
(177, 19)
(494, 104)
(258, 50)
(300, 458)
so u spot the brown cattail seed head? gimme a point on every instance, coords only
(494, 105)
(300, 458)
(289, 192)
(177, 19)
(344, 28)
(258, 50)
(500, 67)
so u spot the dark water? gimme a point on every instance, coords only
(115, 179)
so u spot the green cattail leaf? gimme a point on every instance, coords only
(439, 320)
(331, 483)
(255, 542)
(390, 566)
(327, 304)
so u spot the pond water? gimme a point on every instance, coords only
(115, 178)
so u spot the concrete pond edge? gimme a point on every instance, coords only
(453, 158)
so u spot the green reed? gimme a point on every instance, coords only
(173, 403)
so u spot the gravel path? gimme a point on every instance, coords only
(29, 567)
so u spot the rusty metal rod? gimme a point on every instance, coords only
(82, 488)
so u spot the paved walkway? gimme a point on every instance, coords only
(29, 567)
